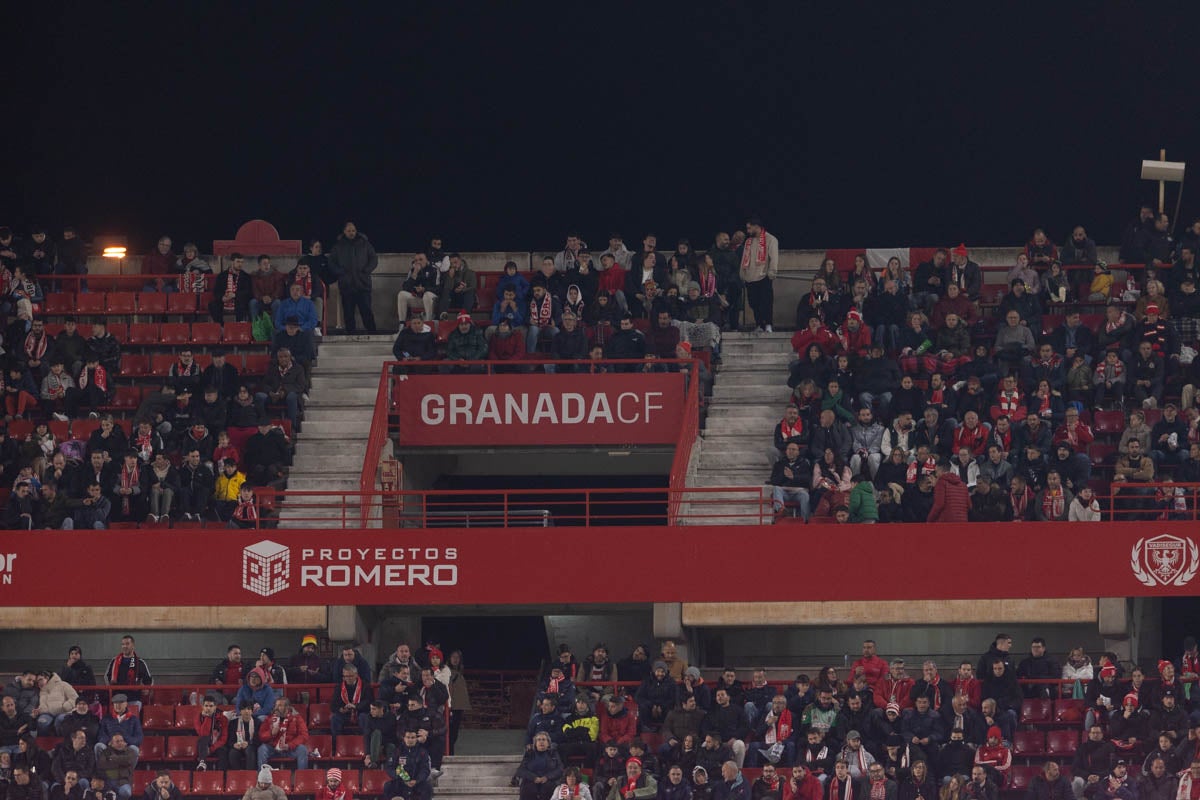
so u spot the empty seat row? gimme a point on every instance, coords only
(126, 303)
(1043, 711)
(158, 365)
(170, 333)
(1060, 742)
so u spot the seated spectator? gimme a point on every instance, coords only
(830, 480)
(791, 477)
(1014, 341)
(195, 274)
(814, 333)
(928, 284)
(267, 456)
(420, 290)
(1109, 380)
(413, 770)
(989, 503)
(92, 510)
(887, 312)
(227, 489)
(1072, 338)
(220, 374)
(544, 316)
(813, 365)
(466, 343)
(963, 271)
(508, 306)
(915, 344)
(212, 731)
(1053, 501)
(1115, 330)
(352, 701)
(267, 288)
(416, 341)
(55, 387)
(129, 490)
(1169, 437)
(539, 771)
(286, 383)
(505, 344)
(1046, 404)
(1135, 428)
(163, 483)
(866, 443)
(995, 758)
(954, 302)
(283, 735)
(626, 343)
(290, 334)
(952, 345)
(1056, 287)
(458, 287)
(1027, 275)
(877, 379)
(854, 338)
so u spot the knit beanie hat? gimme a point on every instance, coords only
(264, 775)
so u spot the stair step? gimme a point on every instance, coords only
(361, 414)
(321, 481)
(325, 461)
(500, 759)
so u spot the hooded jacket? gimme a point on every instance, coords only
(951, 502)
(353, 260)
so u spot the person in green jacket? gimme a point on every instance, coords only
(466, 343)
(862, 500)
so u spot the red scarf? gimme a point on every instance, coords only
(761, 250)
(839, 790)
(356, 698)
(128, 481)
(935, 684)
(781, 730)
(212, 727)
(100, 378)
(543, 316)
(1020, 502)
(246, 511)
(231, 284)
(35, 346)
(114, 676)
(1189, 664)
(879, 789)
(708, 284)
(788, 431)
(305, 285)
(630, 785)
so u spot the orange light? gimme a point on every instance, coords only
(114, 252)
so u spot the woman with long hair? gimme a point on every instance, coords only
(460, 697)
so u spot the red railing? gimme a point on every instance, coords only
(517, 507)
(688, 431)
(376, 438)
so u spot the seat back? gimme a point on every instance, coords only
(1035, 711)
(1028, 743)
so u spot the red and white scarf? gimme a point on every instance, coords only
(35, 346)
(193, 282)
(879, 790)
(352, 698)
(305, 285)
(231, 284)
(1053, 503)
(128, 481)
(760, 250)
(100, 378)
(841, 790)
(781, 730)
(790, 431)
(246, 511)
(1009, 401)
(541, 314)
(708, 283)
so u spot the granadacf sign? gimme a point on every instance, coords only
(481, 565)
(539, 409)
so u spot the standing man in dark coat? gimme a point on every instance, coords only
(354, 259)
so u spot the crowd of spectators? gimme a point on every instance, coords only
(872, 729)
(199, 444)
(926, 398)
(245, 720)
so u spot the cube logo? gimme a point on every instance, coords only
(266, 568)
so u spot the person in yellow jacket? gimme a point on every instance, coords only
(580, 730)
(228, 486)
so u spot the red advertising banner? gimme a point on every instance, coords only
(538, 409)
(708, 564)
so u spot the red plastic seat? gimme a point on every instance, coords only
(153, 747)
(182, 779)
(143, 333)
(318, 715)
(1036, 711)
(121, 303)
(237, 333)
(373, 781)
(185, 717)
(350, 778)
(181, 748)
(1029, 743)
(126, 396)
(119, 331)
(444, 327)
(257, 364)
(208, 783)
(141, 779)
(82, 428)
(181, 303)
(237, 781)
(176, 333)
(47, 743)
(1022, 775)
(1153, 415)
(20, 428)
(1099, 453)
(160, 364)
(89, 303)
(206, 333)
(323, 743)
(283, 779)
(1062, 742)
(1068, 711)
(61, 429)
(308, 781)
(1109, 421)
(152, 303)
(349, 747)
(60, 303)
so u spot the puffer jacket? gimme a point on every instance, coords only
(57, 697)
(951, 502)
(354, 260)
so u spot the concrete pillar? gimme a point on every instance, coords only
(668, 624)
(1116, 625)
(346, 624)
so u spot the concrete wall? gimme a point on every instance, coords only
(100, 618)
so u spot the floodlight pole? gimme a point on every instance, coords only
(1162, 185)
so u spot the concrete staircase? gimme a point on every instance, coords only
(337, 419)
(749, 394)
(477, 776)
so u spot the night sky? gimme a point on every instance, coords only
(503, 125)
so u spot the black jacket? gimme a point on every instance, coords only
(353, 261)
